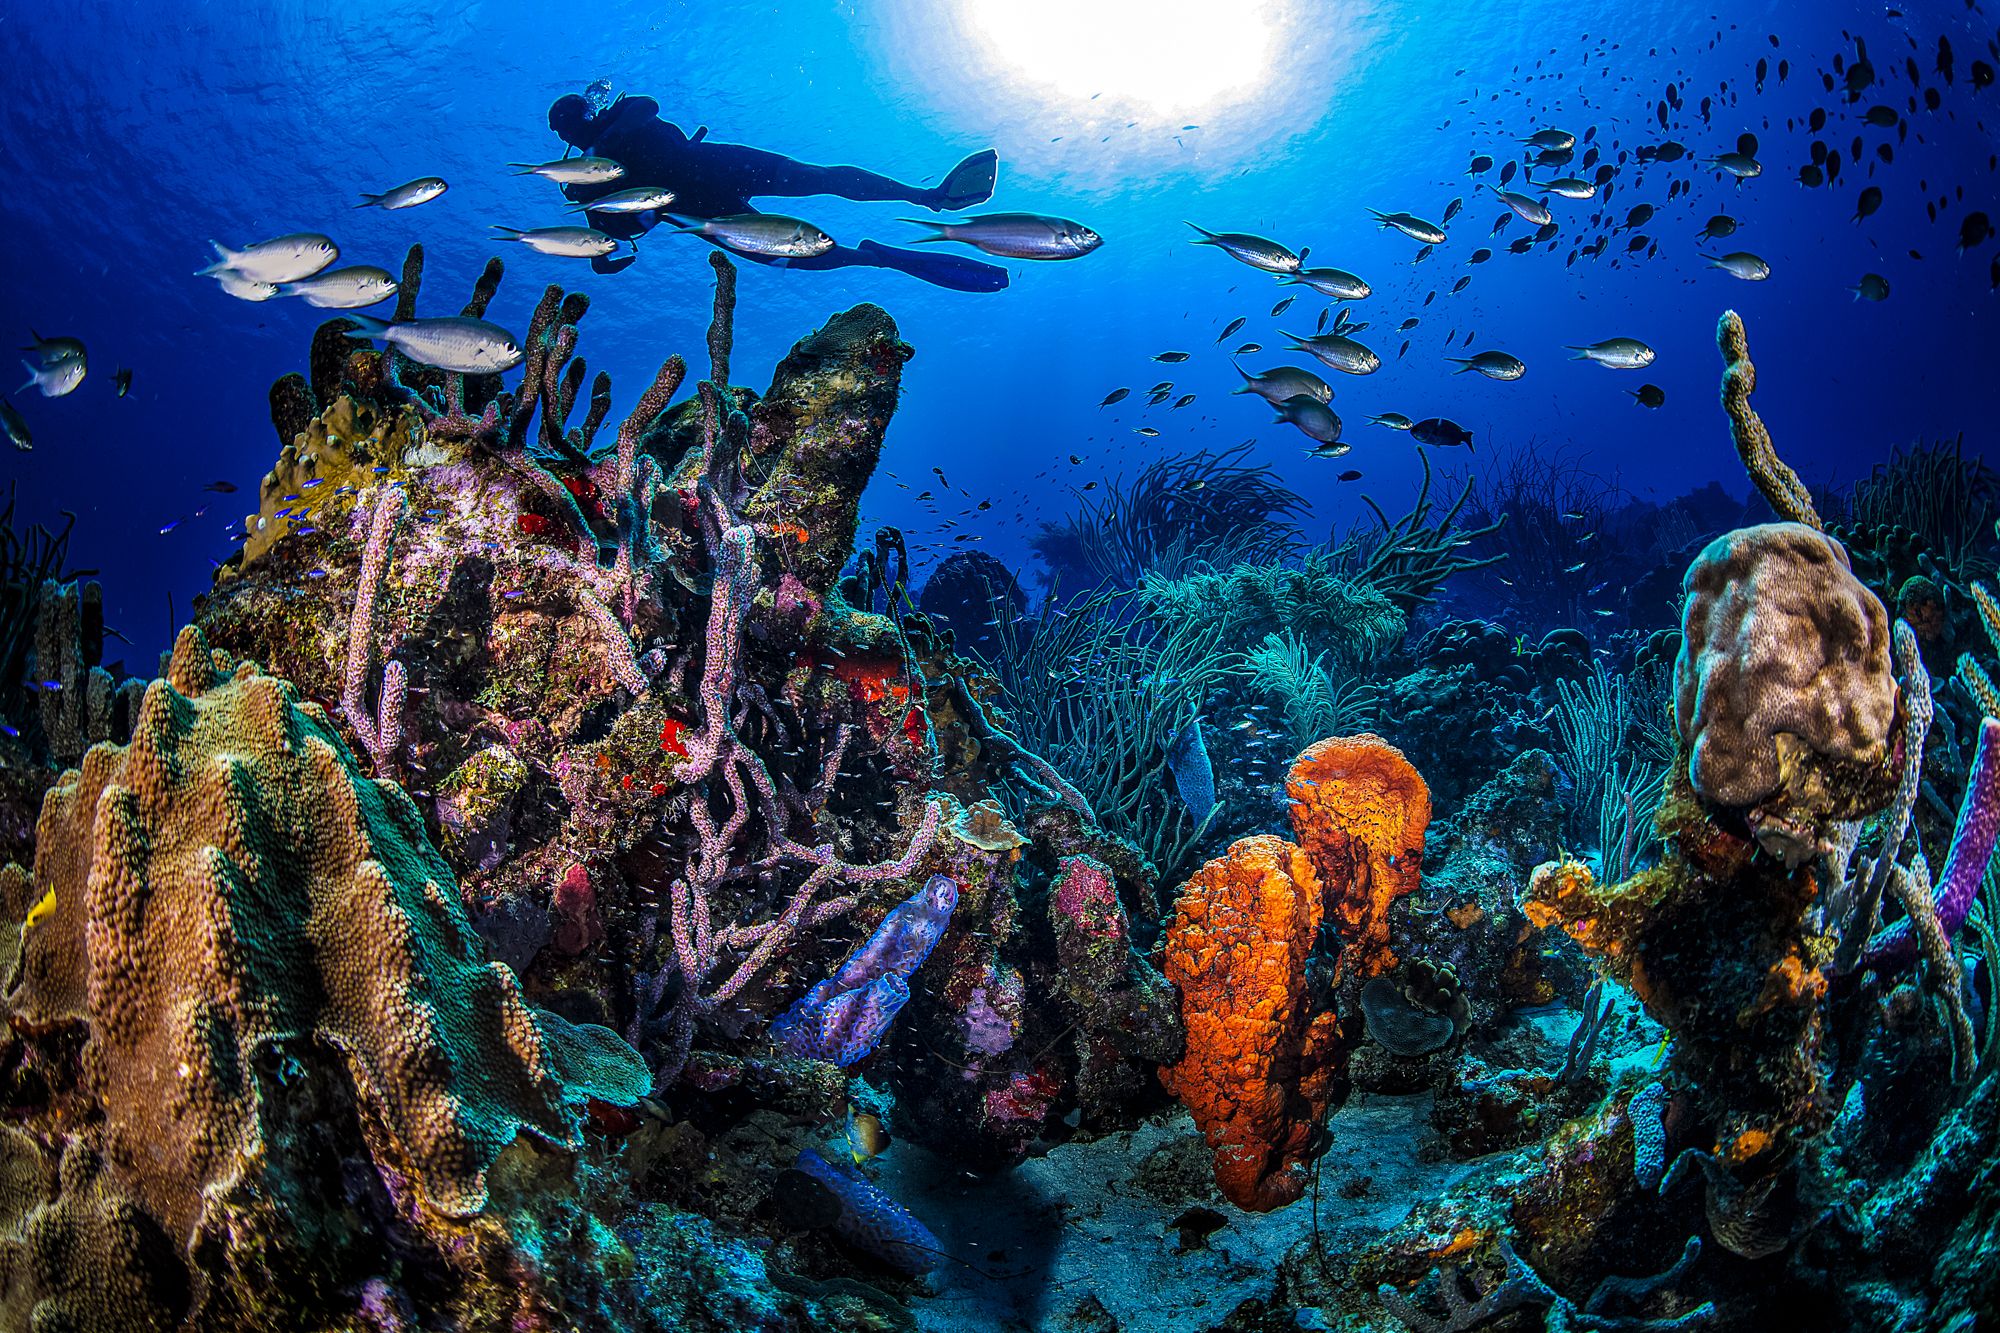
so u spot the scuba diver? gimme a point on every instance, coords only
(712, 180)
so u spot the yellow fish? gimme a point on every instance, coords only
(866, 1136)
(40, 909)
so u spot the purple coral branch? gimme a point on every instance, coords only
(1971, 848)
(382, 733)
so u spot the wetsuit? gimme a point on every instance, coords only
(712, 180)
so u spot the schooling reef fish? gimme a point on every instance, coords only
(407, 195)
(343, 288)
(1493, 365)
(1411, 226)
(280, 259)
(771, 234)
(454, 342)
(1016, 235)
(638, 199)
(568, 242)
(573, 170)
(1741, 264)
(1616, 353)
(15, 429)
(1339, 351)
(1255, 251)
(1440, 432)
(1282, 382)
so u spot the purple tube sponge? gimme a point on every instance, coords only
(870, 1220)
(841, 1019)
(1965, 866)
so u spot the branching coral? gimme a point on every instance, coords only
(380, 732)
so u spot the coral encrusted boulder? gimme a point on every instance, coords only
(229, 883)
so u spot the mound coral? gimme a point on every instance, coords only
(1262, 1055)
(229, 885)
(1783, 689)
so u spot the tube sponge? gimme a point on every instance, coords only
(1785, 658)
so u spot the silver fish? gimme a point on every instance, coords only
(638, 199)
(15, 429)
(1740, 165)
(1336, 283)
(1569, 187)
(1338, 351)
(1617, 353)
(1277, 384)
(567, 242)
(1529, 210)
(1493, 365)
(1741, 264)
(280, 259)
(1311, 416)
(453, 342)
(245, 289)
(407, 195)
(572, 170)
(1393, 420)
(771, 234)
(1411, 226)
(1016, 235)
(63, 365)
(1252, 250)
(1556, 139)
(343, 288)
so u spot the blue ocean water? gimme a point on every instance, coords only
(134, 140)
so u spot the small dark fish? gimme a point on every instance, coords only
(1869, 200)
(1746, 144)
(122, 378)
(1872, 287)
(1451, 211)
(1719, 225)
(1247, 348)
(1171, 357)
(1460, 285)
(1182, 401)
(1882, 117)
(221, 487)
(1230, 328)
(1811, 176)
(1650, 395)
(1349, 475)
(1481, 255)
(1480, 163)
(1639, 216)
(1280, 308)
(1975, 230)
(1147, 431)
(1115, 396)
(1507, 170)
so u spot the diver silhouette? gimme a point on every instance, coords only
(712, 180)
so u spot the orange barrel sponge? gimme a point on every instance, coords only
(1259, 1064)
(1360, 810)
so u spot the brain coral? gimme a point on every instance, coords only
(229, 881)
(1783, 648)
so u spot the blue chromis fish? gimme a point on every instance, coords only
(407, 195)
(1016, 235)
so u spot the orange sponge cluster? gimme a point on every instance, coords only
(1260, 1063)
